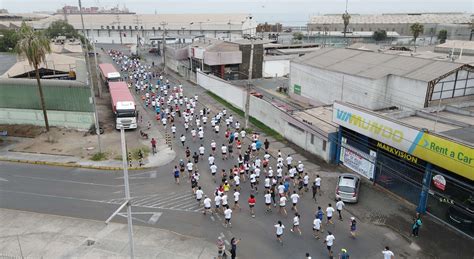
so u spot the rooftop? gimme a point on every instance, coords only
(375, 65)
(439, 18)
(320, 116)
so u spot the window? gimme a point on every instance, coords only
(136, 27)
(312, 139)
(113, 27)
(108, 27)
(361, 29)
(141, 27)
(102, 27)
(153, 28)
(296, 127)
(324, 145)
(130, 27)
(118, 27)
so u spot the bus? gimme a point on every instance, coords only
(123, 106)
(108, 73)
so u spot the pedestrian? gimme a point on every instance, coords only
(279, 231)
(339, 205)
(268, 201)
(196, 158)
(307, 256)
(353, 227)
(207, 205)
(315, 190)
(317, 182)
(236, 199)
(176, 174)
(320, 215)
(227, 216)
(183, 139)
(153, 146)
(221, 248)
(387, 254)
(283, 205)
(266, 144)
(416, 225)
(329, 212)
(201, 152)
(344, 254)
(296, 223)
(294, 198)
(233, 247)
(316, 227)
(251, 202)
(329, 241)
(199, 193)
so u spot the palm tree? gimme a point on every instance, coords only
(34, 46)
(346, 17)
(416, 29)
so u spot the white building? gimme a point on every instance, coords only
(377, 80)
(116, 28)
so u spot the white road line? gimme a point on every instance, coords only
(143, 201)
(3, 179)
(174, 199)
(52, 196)
(153, 219)
(212, 218)
(192, 206)
(66, 181)
(181, 205)
(164, 198)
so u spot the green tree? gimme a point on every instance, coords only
(298, 35)
(416, 29)
(346, 17)
(442, 36)
(34, 46)
(379, 35)
(61, 28)
(8, 40)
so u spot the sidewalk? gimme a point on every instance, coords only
(33, 235)
(376, 206)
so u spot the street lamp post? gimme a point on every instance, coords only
(96, 115)
(247, 101)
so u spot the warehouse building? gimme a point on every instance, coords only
(377, 80)
(424, 156)
(125, 28)
(458, 25)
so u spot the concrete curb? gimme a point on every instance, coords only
(73, 165)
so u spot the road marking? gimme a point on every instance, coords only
(212, 218)
(153, 219)
(3, 179)
(66, 181)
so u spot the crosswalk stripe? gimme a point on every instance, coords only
(181, 204)
(143, 201)
(166, 201)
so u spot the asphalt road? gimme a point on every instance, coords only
(158, 202)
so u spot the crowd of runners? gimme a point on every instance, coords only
(278, 183)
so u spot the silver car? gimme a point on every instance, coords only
(347, 188)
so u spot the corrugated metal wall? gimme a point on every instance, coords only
(60, 95)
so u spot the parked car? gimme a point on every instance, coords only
(347, 188)
(257, 94)
(464, 215)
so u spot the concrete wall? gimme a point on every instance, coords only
(77, 120)
(213, 58)
(326, 86)
(406, 92)
(278, 68)
(270, 115)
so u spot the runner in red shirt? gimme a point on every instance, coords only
(153, 145)
(252, 205)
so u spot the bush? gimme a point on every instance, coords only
(99, 156)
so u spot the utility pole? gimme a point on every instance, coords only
(137, 22)
(99, 87)
(96, 115)
(247, 101)
(127, 196)
(163, 43)
(117, 16)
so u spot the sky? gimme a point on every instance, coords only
(288, 12)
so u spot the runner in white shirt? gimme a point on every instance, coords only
(294, 199)
(283, 205)
(339, 205)
(201, 134)
(279, 231)
(227, 216)
(207, 205)
(201, 151)
(281, 189)
(193, 134)
(217, 202)
(253, 180)
(236, 199)
(306, 182)
(329, 242)
(317, 182)
(224, 199)
(213, 169)
(242, 134)
(211, 159)
(267, 183)
(224, 152)
(268, 201)
(237, 181)
(199, 194)
(296, 223)
(329, 212)
(183, 139)
(316, 227)
(216, 129)
(213, 146)
(279, 173)
(387, 254)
